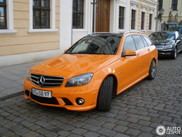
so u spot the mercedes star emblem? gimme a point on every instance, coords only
(41, 81)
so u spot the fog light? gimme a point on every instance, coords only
(80, 101)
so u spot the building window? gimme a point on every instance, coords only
(143, 21)
(174, 5)
(121, 17)
(3, 19)
(133, 19)
(41, 14)
(78, 14)
(150, 21)
(160, 2)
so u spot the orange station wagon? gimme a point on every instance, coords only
(91, 72)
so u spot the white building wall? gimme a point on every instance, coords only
(65, 24)
(114, 15)
(88, 16)
(68, 36)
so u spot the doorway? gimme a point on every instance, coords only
(102, 15)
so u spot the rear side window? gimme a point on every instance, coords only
(138, 41)
(144, 41)
(129, 44)
(149, 43)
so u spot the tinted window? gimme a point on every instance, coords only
(149, 43)
(129, 44)
(138, 41)
(96, 45)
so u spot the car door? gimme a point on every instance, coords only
(127, 65)
(149, 49)
(143, 57)
(178, 41)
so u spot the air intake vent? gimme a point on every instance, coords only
(45, 100)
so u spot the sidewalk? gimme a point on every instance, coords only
(11, 79)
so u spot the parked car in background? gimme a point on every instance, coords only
(91, 72)
(168, 43)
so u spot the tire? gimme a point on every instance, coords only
(174, 54)
(152, 70)
(105, 94)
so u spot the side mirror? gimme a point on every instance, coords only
(130, 53)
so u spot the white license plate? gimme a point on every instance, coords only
(42, 93)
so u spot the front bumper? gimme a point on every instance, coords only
(64, 96)
(167, 52)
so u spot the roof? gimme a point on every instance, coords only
(106, 34)
(164, 32)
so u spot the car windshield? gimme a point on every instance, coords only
(162, 36)
(96, 45)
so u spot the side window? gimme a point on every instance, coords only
(149, 43)
(144, 41)
(138, 41)
(129, 44)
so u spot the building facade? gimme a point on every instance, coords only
(143, 13)
(88, 16)
(37, 29)
(29, 30)
(169, 14)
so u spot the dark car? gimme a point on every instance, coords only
(167, 43)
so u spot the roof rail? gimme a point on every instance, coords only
(132, 31)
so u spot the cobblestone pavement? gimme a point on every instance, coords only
(11, 78)
(136, 112)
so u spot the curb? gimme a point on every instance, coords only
(11, 95)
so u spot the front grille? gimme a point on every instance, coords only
(46, 81)
(45, 100)
(67, 101)
(159, 47)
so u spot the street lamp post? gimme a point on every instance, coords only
(93, 19)
(159, 19)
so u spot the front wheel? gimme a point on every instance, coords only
(105, 94)
(152, 70)
(174, 54)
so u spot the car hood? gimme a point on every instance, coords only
(73, 64)
(163, 42)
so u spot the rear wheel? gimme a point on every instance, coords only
(152, 70)
(105, 94)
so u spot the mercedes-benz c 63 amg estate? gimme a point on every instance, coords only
(92, 71)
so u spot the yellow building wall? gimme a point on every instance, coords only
(148, 8)
(167, 9)
(23, 41)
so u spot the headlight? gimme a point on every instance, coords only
(79, 80)
(168, 47)
(28, 76)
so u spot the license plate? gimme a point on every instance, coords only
(42, 93)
